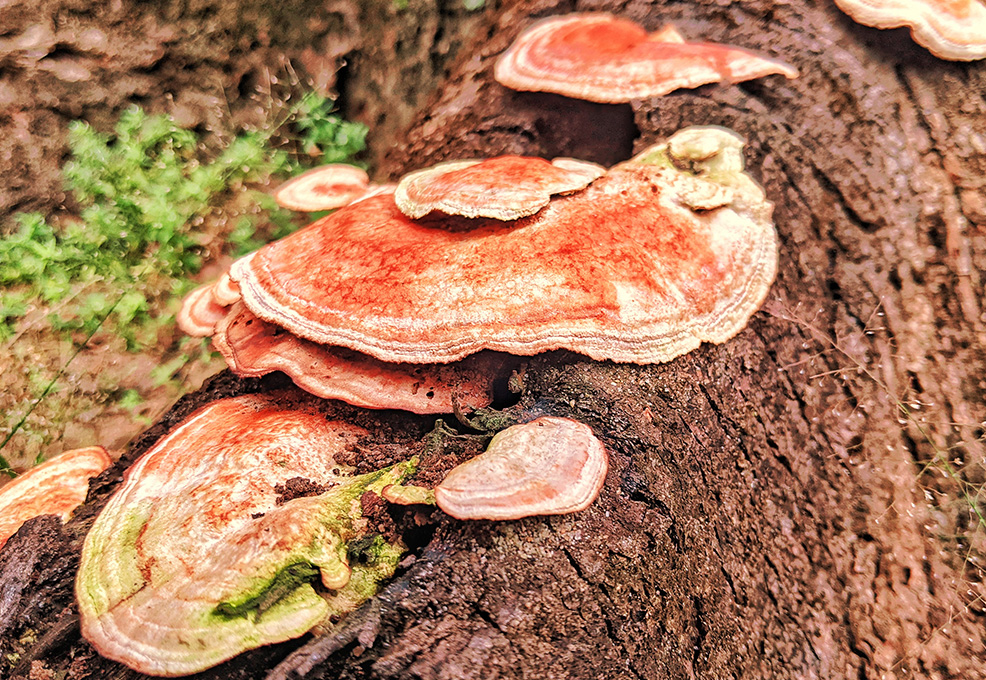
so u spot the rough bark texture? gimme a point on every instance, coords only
(775, 506)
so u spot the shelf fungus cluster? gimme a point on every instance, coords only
(669, 249)
(605, 59)
(199, 556)
(56, 487)
(417, 298)
(949, 29)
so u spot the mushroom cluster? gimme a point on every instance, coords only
(422, 297)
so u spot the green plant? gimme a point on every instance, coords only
(324, 134)
(150, 196)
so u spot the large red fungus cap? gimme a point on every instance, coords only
(56, 487)
(253, 347)
(950, 29)
(324, 188)
(194, 559)
(502, 188)
(609, 60)
(550, 466)
(641, 266)
(200, 312)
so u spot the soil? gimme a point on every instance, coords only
(800, 501)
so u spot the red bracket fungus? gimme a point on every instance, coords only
(605, 59)
(253, 347)
(56, 487)
(670, 249)
(550, 466)
(193, 560)
(949, 29)
(502, 188)
(324, 188)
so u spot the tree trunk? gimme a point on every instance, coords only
(799, 502)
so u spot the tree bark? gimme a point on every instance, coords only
(798, 502)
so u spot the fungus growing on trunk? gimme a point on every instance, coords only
(949, 29)
(253, 347)
(56, 487)
(670, 249)
(601, 58)
(193, 561)
(549, 466)
(502, 188)
(324, 188)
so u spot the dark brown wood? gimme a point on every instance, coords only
(776, 506)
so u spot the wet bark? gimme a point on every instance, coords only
(793, 503)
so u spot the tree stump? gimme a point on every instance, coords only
(794, 503)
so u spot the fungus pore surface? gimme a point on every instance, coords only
(667, 250)
(193, 561)
(602, 58)
(253, 347)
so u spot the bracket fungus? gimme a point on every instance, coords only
(193, 560)
(549, 466)
(55, 487)
(602, 58)
(503, 188)
(949, 29)
(665, 251)
(253, 347)
(200, 312)
(323, 188)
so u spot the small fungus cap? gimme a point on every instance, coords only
(324, 188)
(55, 487)
(225, 291)
(502, 188)
(253, 347)
(550, 466)
(658, 255)
(605, 59)
(193, 560)
(200, 312)
(950, 29)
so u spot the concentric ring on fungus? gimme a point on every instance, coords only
(193, 560)
(602, 58)
(670, 249)
(55, 487)
(502, 188)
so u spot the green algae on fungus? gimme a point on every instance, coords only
(193, 561)
(671, 249)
